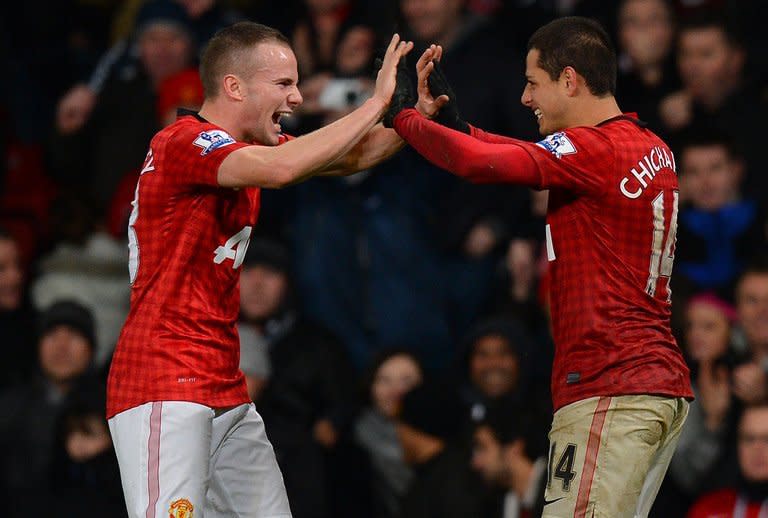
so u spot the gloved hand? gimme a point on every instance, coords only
(449, 113)
(404, 95)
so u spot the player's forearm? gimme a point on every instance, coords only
(301, 158)
(466, 156)
(491, 138)
(378, 145)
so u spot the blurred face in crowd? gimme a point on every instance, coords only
(753, 444)
(432, 20)
(11, 277)
(493, 366)
(710, 177)
(196, 8)
(324, 6)
(268, 89)
(708, 63)
(487, 455)
(547, 98)
(262, 292)
(645, 31)
(89, 438)
(64, 354)
(395, 377)
(355, 50)
(708, 331)
(752, 307)
(165, 50)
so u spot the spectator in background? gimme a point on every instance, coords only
(319, 31)
(433, 436)
(182, 90)
(392, 374)
(87, 265)
(718, 229)
(65, 347)
(501, 456)
(750, 381)
(709, 350)
(521, 277)
(17, 357)
(306, 400)
(85, 475)
(124, 57)
(501, 377)
(90, 152)
(475, 220)
(646, 66)
(749, 497)
(715, 91)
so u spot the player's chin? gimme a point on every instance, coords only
(271, 136)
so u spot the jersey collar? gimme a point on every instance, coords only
(181, 112)
(631, 117)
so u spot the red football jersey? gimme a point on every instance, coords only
(187, 239)
(611, 230)
(611, 227)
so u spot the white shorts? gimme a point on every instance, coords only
(187, 460)
(608, 455)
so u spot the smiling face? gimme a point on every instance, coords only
(546, 97)
(268, 91)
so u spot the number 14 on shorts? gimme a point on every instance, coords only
(563, 467)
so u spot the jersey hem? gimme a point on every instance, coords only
(113, 410)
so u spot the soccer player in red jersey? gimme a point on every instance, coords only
(188, 440)
(620, 385)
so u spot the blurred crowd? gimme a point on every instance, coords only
(394, 326)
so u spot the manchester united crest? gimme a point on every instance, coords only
(181, 508)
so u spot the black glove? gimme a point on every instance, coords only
(449, 114)
(404, 95)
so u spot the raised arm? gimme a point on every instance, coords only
(382, 142)
(306, 156)
(466, 156)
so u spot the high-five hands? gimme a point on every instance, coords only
(387, 77)
(437, 99)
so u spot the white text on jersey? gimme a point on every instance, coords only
(646, 170)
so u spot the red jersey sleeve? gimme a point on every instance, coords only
(569, 160)
(492, 138)
(466, 156)
(201, 152)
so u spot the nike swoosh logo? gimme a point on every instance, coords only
(547, 502)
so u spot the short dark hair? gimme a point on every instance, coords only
(757, 265)
(713, 19)
(581, 43)
(705, 136)
(221, 52)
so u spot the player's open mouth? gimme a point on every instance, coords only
(276, 118)
(538, 114)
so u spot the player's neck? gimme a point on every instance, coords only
(214, 113)
(594, 110)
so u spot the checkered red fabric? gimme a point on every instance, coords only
(187, 238)
(611, 227)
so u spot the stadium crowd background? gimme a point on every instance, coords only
(394, 330)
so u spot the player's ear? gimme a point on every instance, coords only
(570, 80)
(232, 87)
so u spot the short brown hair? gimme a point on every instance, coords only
(580, 43)
(221, 53)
